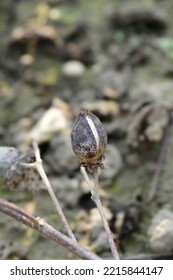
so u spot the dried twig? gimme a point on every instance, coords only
(45, 229)
(38, 165)
(96, 198)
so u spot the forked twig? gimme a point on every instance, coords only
(38, 165)
(96, 198)
(45, 229)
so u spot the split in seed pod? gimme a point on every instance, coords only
(89, 139)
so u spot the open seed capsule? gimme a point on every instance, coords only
(9, 173)
(88, 137)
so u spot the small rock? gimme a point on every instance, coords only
(109, 93)
(73, 69)
(134, 129)
(26, 59)
(155, 116)
(133, 159)
(118, 127)
(54, 14)
(60, 157)
(37, 32)
(101, 243)
(161, 232)
(139, 18)
(82, 218)
(103, 108)
(53, 120)
(157, 122)
(113, 165)
(95, 218)
(67, 189)
(116, 81)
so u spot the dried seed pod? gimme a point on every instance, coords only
(10, 173)
(89, 139)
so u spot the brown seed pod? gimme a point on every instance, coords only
(88, 137)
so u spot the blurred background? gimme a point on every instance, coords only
(115, 58)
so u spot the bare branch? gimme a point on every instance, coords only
(45, 229)
(96, 198)
(38, 165)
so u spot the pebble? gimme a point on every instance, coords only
(104, 108)
(101, 243)
(109, 93)
(26, 59)
(61, 158)
(160, 232)
(53, 120)
(113, 164)
(73, 69)
(67, 190)
(115, 81)
(133, 159)
(95, 218)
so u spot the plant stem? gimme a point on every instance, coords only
(38, 165)
(96, 198)
(55, 201)
(45, 229)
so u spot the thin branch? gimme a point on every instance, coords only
(96, 198)
(39, 167)
(45, 229)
